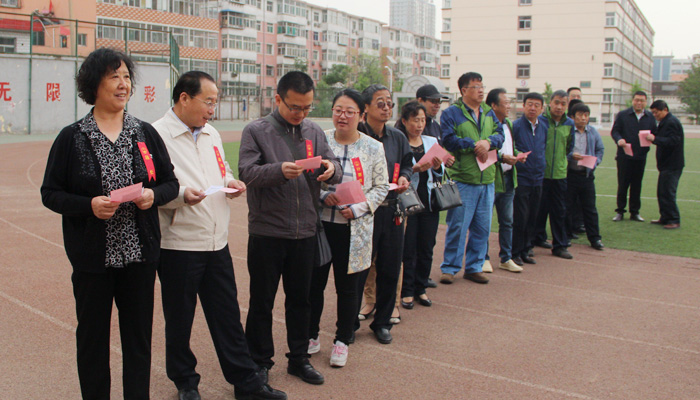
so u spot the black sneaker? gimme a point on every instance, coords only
(264, 393)
(544, 244)
(431, 283)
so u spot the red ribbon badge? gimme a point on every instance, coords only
(148, 160)
(395, 178)
(220, 160)
(358, 170)
(309, 151)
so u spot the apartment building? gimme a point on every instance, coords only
(413, 15)
(602, 46)
(411, 53)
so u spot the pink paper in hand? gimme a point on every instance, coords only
(521, 156)
(125, 194)
(492, 158)
(309, 163)
(435, 151)
(393, 186)
(643, 141)
(350, 193)
(588, 161)
(628, 149)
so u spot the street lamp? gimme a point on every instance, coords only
(391, 78)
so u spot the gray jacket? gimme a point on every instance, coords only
(279, 207)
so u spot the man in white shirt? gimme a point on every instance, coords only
(195, 258)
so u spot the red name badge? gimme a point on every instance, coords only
(309, 151)
(395, 178)
(147, 160)
(358, 170)
(220, 161)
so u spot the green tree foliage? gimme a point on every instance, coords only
(368, 71)
(339, 73)
(689, 92)
(301, 64)
(547, 91)
(636, 87)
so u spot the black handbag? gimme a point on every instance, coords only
(410, 202)
(445, 195)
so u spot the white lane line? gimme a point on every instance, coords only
(29, 178)
(650, 170)
(19, 228)
(647, 198)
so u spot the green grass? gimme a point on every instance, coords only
(628, 235)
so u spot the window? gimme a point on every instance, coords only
(269, 70)
(315, 74)
(608, 70)
(315, 55)
(445, 71)
(524, 2)
(523, 71)
(520, 94)
(605, 117)
(446, 3)
(523, 47)
(9, 3)
(445, 47)
(38, 38)
(270, 28)
(270, 49)
(446, 25)
(610, 44)
(607, 96)
(64, 41)
(525, 22)
(270, 6)
(7, 44)
(585, 84)
(611, 19)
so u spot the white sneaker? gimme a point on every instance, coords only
(510, 266)
(487, 267)
(314, 346)
(339, 355)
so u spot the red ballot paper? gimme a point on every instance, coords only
(493, 157)
(435, 151)
(520, 156)
(588, 161)
(643, 141)
(128, 193)
(628, 149)
(350, 193)
(309, 163)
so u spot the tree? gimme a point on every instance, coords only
(301, 64)
(368, 70)
(547, 94)
(689, 92)
(636, 87)
(339, 73)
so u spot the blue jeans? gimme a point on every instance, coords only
(474, 216)
(503, 202)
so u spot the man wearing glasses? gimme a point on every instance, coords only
(282, 220)
(195, 258)
(430, 98)
(469, 134)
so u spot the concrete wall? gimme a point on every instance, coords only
(53, 107)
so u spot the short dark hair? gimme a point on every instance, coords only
(368, 93)
(297, 81)
(97, 64)
(353, 95)
(190, 83)
(580, 107)
(571, 89)
(572, 103)
(533, 96)
(659, 105)
(411, 109)
(640, 93)
(559, 93)
(465, 79)
(494, 97)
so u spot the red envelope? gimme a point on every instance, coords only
(492, 158)
(643, 141)
(125, 194)
(628, 149)
(435, 151)
(522, 155)
(588, 161)
(350, 193)
(309, 163)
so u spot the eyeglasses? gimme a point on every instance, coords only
(348, 113)
(210, 105)
(297, 109)
(382, 104)
(476, 87)
(434, 101)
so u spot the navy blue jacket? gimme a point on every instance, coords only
(531, 172)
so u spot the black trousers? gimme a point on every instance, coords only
(209, 274)
(345, 284)
(387, 250)
(581, 188)
(131, 289)
(269, 259)
(629, 176)
(419, 242)
(526, 204)
(552, 205)
(666, 194)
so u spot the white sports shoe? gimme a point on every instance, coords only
(339, 355)
(510, 266)
(487, 267)
(314, 346)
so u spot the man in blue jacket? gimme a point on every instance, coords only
(580, 179)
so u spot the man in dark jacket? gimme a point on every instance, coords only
(630, 169)
(670, 162)
(282, 219)
(430, 98)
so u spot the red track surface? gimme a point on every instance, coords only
(606, 325)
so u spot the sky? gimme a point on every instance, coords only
(675, 22)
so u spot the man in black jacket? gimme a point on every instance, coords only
(630, 169)
(670, 162)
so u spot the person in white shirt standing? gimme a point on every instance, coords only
(195, 258)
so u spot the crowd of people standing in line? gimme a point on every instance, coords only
(544, 169)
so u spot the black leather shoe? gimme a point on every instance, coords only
(528, 260)
(598, 245)
(580, 229)
(531, 253)
(544, 245)
(573, 236)
(636, 217)
(617, 217)
(305, 371)
(352, 338)
(562, 252)
(407, 304)
(263, 373)
(188, 394)
(518, 261)
(265, 393)
(431, 284)
(383, 335)
(424, 302)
